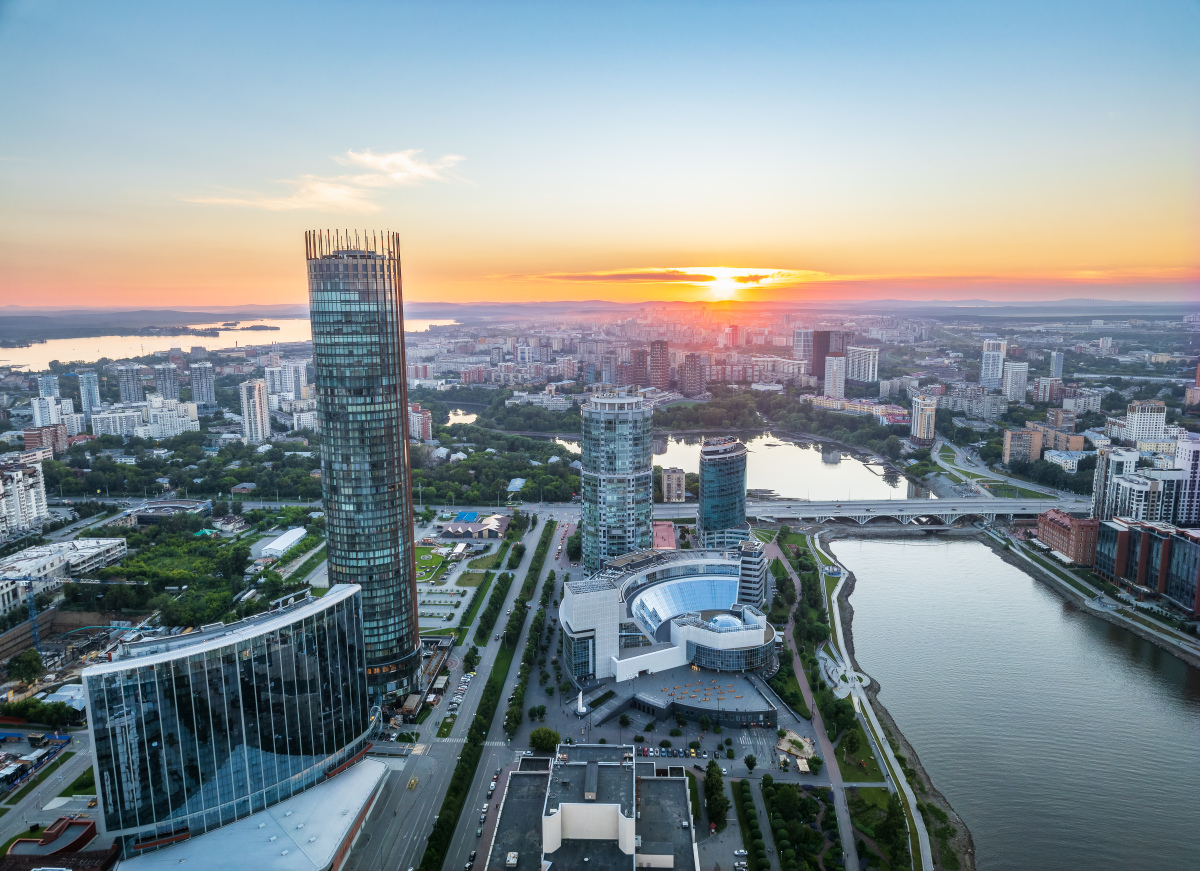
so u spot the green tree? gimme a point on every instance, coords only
(705, 723)
(624, 721)
(751, 761)
(575, 545)
(715, 800)
(850, 744)
(544, 739)
(26, 666)
(815, 764)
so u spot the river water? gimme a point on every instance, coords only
(37, 357)
(795, 470)
(1064, 742)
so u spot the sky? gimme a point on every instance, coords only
(173, 154)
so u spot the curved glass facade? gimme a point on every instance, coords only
(740, 659)
(617, 480)
(354, 294)
(722, 485)
(197, 732)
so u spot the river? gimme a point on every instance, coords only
(1064, 742)
(795, 470)
(37, 357)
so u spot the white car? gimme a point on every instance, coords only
(740, 853)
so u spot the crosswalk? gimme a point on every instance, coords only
(464, 741)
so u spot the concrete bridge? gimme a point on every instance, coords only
(904, 510)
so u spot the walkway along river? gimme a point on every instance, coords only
(1064, 742)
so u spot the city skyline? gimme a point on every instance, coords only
(663, 152)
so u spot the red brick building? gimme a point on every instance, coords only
(1073, 536)
(53, 437)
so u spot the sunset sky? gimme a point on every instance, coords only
(173, 154)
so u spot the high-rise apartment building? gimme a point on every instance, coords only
(660, 365)
(835, 376)
(48, 386)
(924, 420)
(89, 392)
(356, 308)
(1014, 381)
(204, 389)
(273, 376)
(420, 422)
(1056, 364)
(640, 367)
(295, 377)
(694, 378)
(256, 417)
(721, 520)
(129, 383)
(1022, 444)
(991, 367)
(1150, 496)
(862, 364)
(22, 498)
(166, 381)
(1146, 421)
(617, 477)
(802, 347)
(1111, 463)
(674, 485)
(1187, 459)
(1048, 390)
(45, 411)
(196, 731)
(1061, 418)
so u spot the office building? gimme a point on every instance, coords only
(204, 389)
(1014, 381)
(22, 499)
(991, 366)
(835, 376)
(924, 420)
(284, 702)
(256, 418)
(1145, 421)
(1158, 558)
(356, 308)
(166, 381)
(1022, 444)
(656, 610)
(616, 478)
(660, 365)
(862, 364)
(129, 383)
(721, 519)
(1056, 364)
(1111, 463)
(674, 485)
(48, 386)
(1073, 537)
(1187, 459)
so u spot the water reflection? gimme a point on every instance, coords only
(1037, 719)
(458, 415)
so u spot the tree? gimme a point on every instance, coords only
(850, 743)
(26, 666)
(705, 723)
(220, 508)
(624, 721)
(544, 739)
(815, 764)
(751, 761)
(575, 545)
(236, 508)
(716, 802)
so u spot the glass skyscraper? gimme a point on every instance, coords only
(192, 732)
(355, 303)
(721, 519)
(617, 478)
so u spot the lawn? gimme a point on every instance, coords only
(1008, 491)
(424, 715)
(947, 453)
(446, 725)
(464, 624)
(429, 564)
(310, 564)
(470, 579)
(860, 766)
(764, 534)
(953, 477)
(84, 784)
(42, 775)
(485, 562)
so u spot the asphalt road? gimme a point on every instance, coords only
(30, 809)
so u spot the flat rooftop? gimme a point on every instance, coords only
(728, 691)
(303, 833)
(575, 855)
(664, 807)
(614, 785)
(519, 829)
(595, 752)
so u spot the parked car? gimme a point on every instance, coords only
(479, 833)
(740, 853)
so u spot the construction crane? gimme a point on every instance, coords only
(27, 583)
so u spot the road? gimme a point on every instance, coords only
(17, 819)
(394, 835)
(971, 463)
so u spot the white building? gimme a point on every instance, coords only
(1056, 364)
(1111, 463)
(991, 367)
(49, 565)
(45, 411)
(129, 382)
(1068, 460)
(1083, 401)
(835, 376)
(256, 417)
(1014, 381)
(48, 386)
(653, 610)
(166, 381)
(674, 485)
(294, 377)
(924, 420)
(1145, 421)
(167, 418)
(1150, 497)
(22, 499)
(862, 364)
(120, 422)
(203, 386)
(89, 392)
(306, 420)
(284, 543)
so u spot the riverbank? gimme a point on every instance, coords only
(1075, 597)
(961, 844)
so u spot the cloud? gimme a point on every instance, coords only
(750, 279)
(626, 275)
(344, 193)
